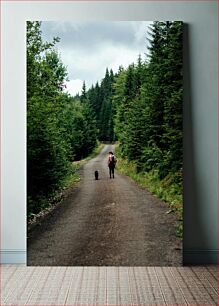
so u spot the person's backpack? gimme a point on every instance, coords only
(112, 160)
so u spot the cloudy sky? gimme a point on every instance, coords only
(87, 48)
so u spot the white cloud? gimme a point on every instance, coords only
(91, 67)
(141, 29)
(88, 48)
(74, 87)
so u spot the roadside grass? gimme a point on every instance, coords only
(71, 180)
(166, 190)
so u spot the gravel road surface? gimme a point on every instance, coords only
(108, 222)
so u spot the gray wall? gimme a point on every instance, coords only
(200, 113)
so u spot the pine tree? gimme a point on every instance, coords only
(173, 117)
(106, 113)
(154, 86)
(60, 128)
(84, 93)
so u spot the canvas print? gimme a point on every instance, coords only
(104, 143)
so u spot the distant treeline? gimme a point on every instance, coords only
(140, 106)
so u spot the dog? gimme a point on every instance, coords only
(96, 174)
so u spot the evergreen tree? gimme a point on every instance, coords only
(60, 128)
(155, 86)
(173, 119)
(117, 100)
(47, 151)
(148, 100)
(84, 93)
(106, 122)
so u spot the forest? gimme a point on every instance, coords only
(139, 107)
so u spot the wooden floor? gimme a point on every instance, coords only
(79, 286)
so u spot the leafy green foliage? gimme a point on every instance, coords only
(148, 99)
(60, 129)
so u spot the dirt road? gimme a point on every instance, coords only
(109, 222)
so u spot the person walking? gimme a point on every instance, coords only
(111, 163)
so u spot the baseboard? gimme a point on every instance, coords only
(200, 257)
(13, 257)
(190, 257)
